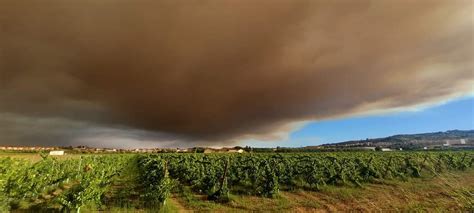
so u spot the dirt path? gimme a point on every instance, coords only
(178, 204)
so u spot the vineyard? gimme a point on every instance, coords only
(147, 181)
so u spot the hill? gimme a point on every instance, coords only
(452, 138)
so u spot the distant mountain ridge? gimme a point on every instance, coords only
(447, 138)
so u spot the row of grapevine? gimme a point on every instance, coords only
(267, 174)
(70, 183)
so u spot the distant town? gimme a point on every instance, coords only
(454, 139)
(86, 149)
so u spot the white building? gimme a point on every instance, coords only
(236, 151)
(58, 152)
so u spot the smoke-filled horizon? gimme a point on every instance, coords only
(182, 73)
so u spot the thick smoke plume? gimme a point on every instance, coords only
(213, 72)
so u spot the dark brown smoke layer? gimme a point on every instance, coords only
(222, 70)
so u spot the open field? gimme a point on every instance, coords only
(318, 182)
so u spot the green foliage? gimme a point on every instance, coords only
(75, 183)
(87, 178)
(154, 178)
(93, 180)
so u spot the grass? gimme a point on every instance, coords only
(453, 191)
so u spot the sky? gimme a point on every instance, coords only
(456, 114)
(181, 73)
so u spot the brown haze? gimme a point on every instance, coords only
(182, 72)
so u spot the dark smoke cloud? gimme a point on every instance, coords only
(214, 72)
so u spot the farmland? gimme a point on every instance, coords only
(294, 181)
